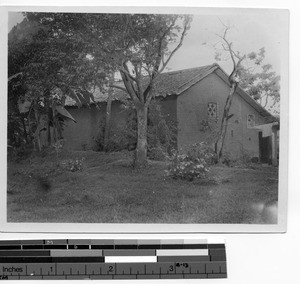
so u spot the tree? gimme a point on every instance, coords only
(149, 55)
(262, 85)
(233, 79)
(260, 82)
(137, 45)
(21, 50)
(50, 68)
(108, 115)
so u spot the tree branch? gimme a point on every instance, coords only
(183, 34)
(139, 80)
(266, 101)
(160, 56)
(234, 55)
(127, 73)
(118, 87)
(130, 87)
(149, 97)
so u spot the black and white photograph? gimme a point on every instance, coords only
(147, 116)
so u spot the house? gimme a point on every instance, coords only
(194, 99)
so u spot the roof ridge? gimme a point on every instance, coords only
(189, 69)
(199, 75)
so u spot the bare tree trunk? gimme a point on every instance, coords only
(25, 130)
(107, 120)
(54, 130)
(48, 129)
(37, 132)
(140, 159)
(48, 117)
(54, 123)
(233, 81)
(221, 138)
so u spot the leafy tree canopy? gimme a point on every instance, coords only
(255, 76)
(133, 44)
(261, 82)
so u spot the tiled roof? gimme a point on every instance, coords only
(168, 83)
(176, 82)
(102, 96)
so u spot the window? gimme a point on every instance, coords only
(250, 120)
(212, 110)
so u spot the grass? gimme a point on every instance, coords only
(109, 190)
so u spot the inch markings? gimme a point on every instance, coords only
(112, 259)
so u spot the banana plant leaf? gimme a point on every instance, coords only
(87, 96)
(73, 95)
(14, 76)
(81, 97)
(62, 111)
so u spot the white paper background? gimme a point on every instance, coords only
(252, 258)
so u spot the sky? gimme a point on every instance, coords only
(251, 29)
(248, 33)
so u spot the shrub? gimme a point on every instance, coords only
(255, 160)
(188, 166)
(161, 133)
(201, 150)
(227, 160)
(245, 160)
(122, 136)
(73, 165)
(157, 153)
(19, 154)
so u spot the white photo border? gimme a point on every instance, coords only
(145, 228)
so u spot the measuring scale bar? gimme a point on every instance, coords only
(113, 270)
(119, 259)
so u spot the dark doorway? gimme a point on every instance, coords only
(264, 149)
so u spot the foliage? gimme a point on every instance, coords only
(202, 150)
(233, 79)
(19, 153)
(157, 153)
(78, 51)
(193, 165)
(254, 75)
(149, 58)
(73, 165)
(186, 168)
(260, 82)
(122, 136)
(263, 84)
(161, 135)
(44, 69)
(245, 160)
(58, 146)
(16, 133)
(226, 159)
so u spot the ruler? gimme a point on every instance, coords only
(111, 259)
